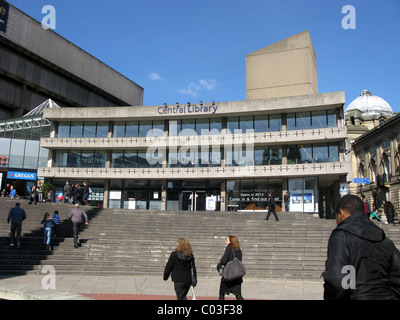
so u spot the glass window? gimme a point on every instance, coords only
(117, 160)
(142, 161)
(292, 154)
(100, 159)
(35, 132)
(202, 125)
(320, 153)
(18, 125)
(27, 130)
(204, 158)
(87, 159)
(43, 157)
(89, 130)
(102, 130)
(76, 129)
(9, 129)
(61, 159)
(188, 127)
(215, 126)
(31, 154)
(261, 156)
(175, 128)
(144, 128)
(158, 129)
(332, 119)
(5, 147)
(45, 131)
(334, 152)
(74, 159)
(173, 159)
(318, 119)
(63, 130)
(275, 122)
(303, 121)
(261, 124)
(291, 121)
(305, 154)
(119, 130)
(232, 125)
(215, 158)
(275, 155)
(132, 129)
(17, 153)
(246, 124)
(130, 159)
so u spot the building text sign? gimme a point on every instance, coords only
(185, 109)
(4, 8)
(21, 175)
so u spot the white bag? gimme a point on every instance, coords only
(193, 294)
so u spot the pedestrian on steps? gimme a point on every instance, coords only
(56, 220)
(16, 216)
(77, 216)
(47, 227)
(271, 207)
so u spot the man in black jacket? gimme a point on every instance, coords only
(362, 262)
(271, 207)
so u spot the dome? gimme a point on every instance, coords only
(370, 106)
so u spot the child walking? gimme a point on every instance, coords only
(56, 221)
(48, 224)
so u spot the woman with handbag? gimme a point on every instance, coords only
(234, 286)
(182, 268)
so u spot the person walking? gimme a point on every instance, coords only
(85, 192)
(362, 263)
(271, 207)
(57, 221)
(67, 190)
(48, 225)
(180, 265)
(232, 250)
(16, 216)
(286, 200)
(367, 207)
(77, 217)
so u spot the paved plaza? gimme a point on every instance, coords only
(154, 288)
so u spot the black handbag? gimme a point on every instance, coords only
(233, 269)
(194, 278)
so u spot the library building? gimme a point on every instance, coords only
(285, 138)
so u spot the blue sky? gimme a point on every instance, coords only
(187, 50)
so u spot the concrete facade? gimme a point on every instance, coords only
(285, 68)
(327, 174)
(38, 64)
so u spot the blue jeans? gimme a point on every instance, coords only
(46, 236)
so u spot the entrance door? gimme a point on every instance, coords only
(194, 200)
(187, 200)
(200, 200)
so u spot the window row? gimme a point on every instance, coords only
(187, 127)
(198, 157)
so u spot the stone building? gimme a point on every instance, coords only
(222, 156)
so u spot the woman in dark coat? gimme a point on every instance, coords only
(232, 251)
(179, 265)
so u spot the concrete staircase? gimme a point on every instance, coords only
(122, 242)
